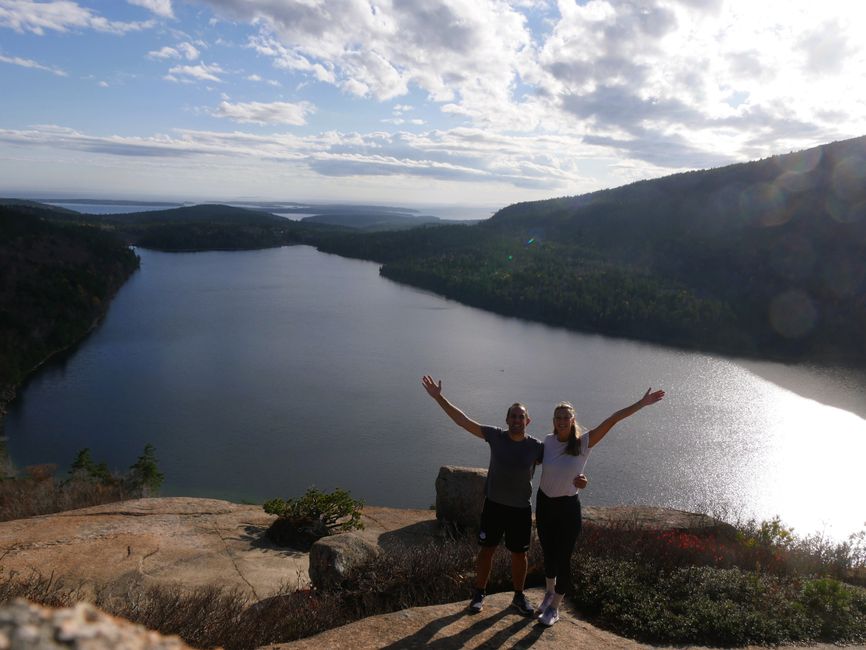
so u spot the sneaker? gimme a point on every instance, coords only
(477, 602)
(522, 605)
(548, 598)
(549, 617)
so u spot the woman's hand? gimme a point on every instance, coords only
(580, 481)
(651, 397)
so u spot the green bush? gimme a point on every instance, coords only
(315, 515)
(837, 609)
(144, 475)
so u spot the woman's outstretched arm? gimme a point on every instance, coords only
(434, 390)
(601, 430)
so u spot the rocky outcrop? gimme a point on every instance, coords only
(144, 542)
(460, 495)
(27, 626)
(177, 541)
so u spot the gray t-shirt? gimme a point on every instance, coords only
(512, 464)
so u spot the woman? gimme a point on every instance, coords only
(557, 507)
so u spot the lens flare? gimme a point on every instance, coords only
(792, 314)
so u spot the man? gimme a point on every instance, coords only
(507, 506)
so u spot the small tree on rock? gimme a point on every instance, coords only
(300, 522)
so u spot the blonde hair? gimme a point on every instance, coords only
(573, 446)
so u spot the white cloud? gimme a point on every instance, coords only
(159, 7)
(443, 47)
(402, 120)
(260, 79)
(60, 16)
(190, 73)
(164, 53)
(103, 84)
(668, 82)
(29, 63)
(189, 51)
(265, 113)
(459, 155)
(183, 50)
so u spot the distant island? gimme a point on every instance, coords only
(761, 259)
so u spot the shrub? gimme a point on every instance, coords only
(300, 522)
(838, 609)
(89, 483)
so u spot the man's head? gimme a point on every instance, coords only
(517, 419)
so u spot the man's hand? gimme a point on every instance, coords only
(434, 389)
(580, 481)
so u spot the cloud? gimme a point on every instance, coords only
(183, 50)
(159, 7)
(29, 63)
(164, 53)
(189, 51)
(460, 155)
(445, 48)
(191, 73)
(265, 113)
(59, 16)
(400, 120)
(826, 48)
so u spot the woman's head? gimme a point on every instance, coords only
(564, 425)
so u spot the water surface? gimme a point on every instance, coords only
(259, 373)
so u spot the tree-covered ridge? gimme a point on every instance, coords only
(56, 281)
(763, 258)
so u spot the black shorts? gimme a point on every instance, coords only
(498, 520)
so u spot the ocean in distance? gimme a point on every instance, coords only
(257, 374)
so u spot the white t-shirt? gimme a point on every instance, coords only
(559, 468)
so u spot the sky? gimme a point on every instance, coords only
(412, 102)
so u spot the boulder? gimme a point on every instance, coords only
(460, 495)
(333, 558)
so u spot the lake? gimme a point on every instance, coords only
(257, 374)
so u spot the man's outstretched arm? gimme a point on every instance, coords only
(434, 390)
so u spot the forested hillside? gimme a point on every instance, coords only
(56, 281)
(197, 227)
(762, 258)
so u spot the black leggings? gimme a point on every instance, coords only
(558, 523)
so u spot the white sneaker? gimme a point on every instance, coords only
(548, 598)
(549, 617)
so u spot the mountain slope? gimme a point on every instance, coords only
(762, 258)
